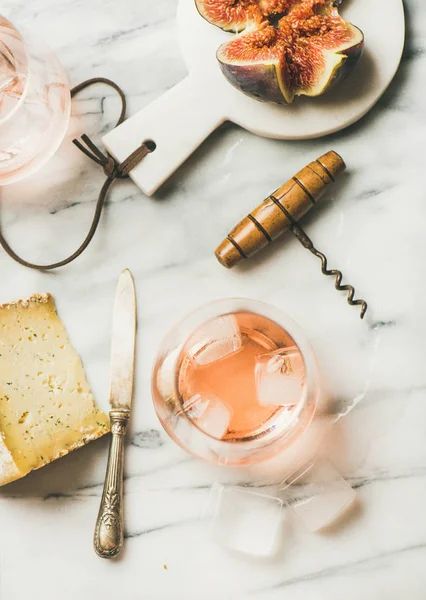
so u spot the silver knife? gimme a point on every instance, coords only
(108, 538)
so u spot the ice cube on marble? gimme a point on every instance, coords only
(318, 495)
(245, 521)
(280, 377)
(216, 339)
(209, 413)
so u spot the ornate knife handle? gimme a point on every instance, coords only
(108, 538)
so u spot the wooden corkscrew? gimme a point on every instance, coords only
(281, 212)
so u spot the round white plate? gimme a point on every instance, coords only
(180, 120)
(306, 117)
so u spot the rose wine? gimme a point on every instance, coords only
(240, 376)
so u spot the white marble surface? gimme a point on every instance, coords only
(372, 227)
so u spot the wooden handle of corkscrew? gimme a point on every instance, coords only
(280, 210)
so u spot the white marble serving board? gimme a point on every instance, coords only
(181, 119)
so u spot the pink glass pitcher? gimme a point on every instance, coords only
(35, 103)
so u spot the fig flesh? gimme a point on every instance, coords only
(237, 15)
(286, 48)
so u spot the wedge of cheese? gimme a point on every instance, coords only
(46, 406)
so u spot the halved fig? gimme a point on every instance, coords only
(300, 51)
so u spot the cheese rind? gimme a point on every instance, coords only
(46, 406)
(8, 470)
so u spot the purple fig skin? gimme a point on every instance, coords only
(354, 54)
(259, 81)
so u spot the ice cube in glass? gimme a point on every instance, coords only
(280, 377)
(209, 413)
(217, 339)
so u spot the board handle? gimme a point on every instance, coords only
(177, 122)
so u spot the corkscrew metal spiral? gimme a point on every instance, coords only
(306, 241)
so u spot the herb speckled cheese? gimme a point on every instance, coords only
(46, 406)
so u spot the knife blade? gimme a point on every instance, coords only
(108, 537)
(123, 342)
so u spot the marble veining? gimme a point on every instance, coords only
(371, 226)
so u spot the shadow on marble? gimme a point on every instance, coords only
(366, 72)
(69, 476)
(177, 181)
(69, 178)
(396, 89)
(351, 515)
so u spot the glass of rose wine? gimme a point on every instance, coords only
(235, 382)
(35, 103)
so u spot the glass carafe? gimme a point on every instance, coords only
(35, 103)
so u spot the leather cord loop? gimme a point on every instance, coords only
(112, 169)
